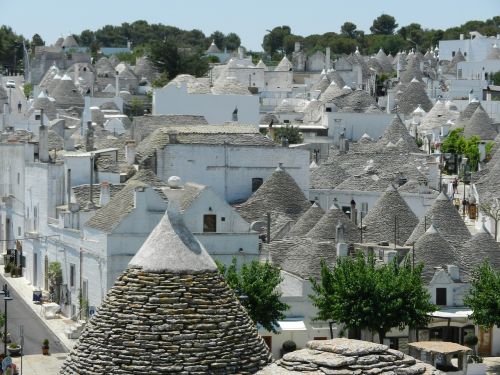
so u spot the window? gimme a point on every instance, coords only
(268, 340)
(452, 53)
(256, 182)
(37, 117)
(209, 223)
(286, 121)
(328, 109)
(72, 271)
(441, 296)
(320, 338)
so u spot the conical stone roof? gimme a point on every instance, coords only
(480, 124)
(494, 53)
(54, 82)
(213, 48)
(43, 102)
(284, 66)
(480, 247)
(333, 91)
(466, 114)
(396, 132)
(104, 68)
(48, 77)
(459, 57)
(69, 42)
(334, 76)
(437, 116)
(321, 85)
(384, 61)
(169, 311)
(261, 65)
(326, 227)
(229, 86)
(279, 193)
(306, 221)
(411, 71)
(66, 94)
(380, 221)
(144, 68)
(446, 218)
(433, 250)
(412, 96)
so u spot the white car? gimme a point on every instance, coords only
(10, 84)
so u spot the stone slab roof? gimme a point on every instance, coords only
(81, 193)
(170, 311)
(381, 218)
(306, 221)
(480, 124)
(145, 125)
(343, 356)
(325, 228)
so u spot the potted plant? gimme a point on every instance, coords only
(288, 347)
(14, 349)
(7, 268)
(45, 347)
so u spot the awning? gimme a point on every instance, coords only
(292, 325)
(452, 313)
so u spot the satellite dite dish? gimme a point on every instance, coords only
(258, 226)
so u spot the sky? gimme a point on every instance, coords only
(249, 19)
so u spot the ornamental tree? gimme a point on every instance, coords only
(360, 294)
(256, 285)
(484, 296)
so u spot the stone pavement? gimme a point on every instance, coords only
(58, 326)
(38, 364)
(493, 364)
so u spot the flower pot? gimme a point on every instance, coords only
(45, 350)
(14, 351)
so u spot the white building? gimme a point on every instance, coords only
(475, 48)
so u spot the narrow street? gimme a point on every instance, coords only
(35, 331)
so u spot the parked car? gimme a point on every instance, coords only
(10, 84)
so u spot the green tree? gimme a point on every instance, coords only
(348, 29)
(258, 282)
(86, 38)
(484, 296)
(362, 295)
(218, 38)
(37, 40)
(232, 41)
(274, 40)
(384, 24)
(495, 77)
(161, 80)
(292, 134)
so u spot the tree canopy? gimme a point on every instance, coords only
(456, 143)
(384, 24)
(256, 284)
(362, 295)
(484, 296)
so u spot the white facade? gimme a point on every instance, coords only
(474, 48)
(229, 169)
(217, 109)
(356, 124)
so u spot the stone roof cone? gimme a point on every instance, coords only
(379, 221)
(279, 193)
(326, 227)
(412, 96)
(480, 124)
(482, 246)
(466, 114)
(66, 94)
(445, 217)
(170, 311)
(433, 250)
(306, 222)
(396, 131)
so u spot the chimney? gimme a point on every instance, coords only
(117, 84)
(454, 272)
(140, 197)
(43, 141)
(89, 137)
(130, 152)
(354, 212)
(240, 52)
(471, 95)
(105, 194)
(297, 47)
(68, 186)
(172, 137)
(327, 58)
(342, 249)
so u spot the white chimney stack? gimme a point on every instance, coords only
(130, 152)
(105, 194)
(43, 141)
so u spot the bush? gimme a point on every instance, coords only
(45, 343)
(289, 346)
(13, 345)
(471, 340)
(7, 267)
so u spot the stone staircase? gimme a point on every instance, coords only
(74, 331)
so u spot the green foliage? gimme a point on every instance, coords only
(55, 273)
(45, 343)
(27, 89)
(161, 80)
(37, 41)
(213, 59)
(384, 24)
(362, 295)
(288, 346)
(456, 143)
(136, 107)
(258, 282)
(127, 57)
(274, 40)
(348, 29)
(471, 340)
(11, 51)
(495, 77)
(2, 319)
(289, 132)
(484, 296)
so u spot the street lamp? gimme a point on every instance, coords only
(6, 297)
(464, 163)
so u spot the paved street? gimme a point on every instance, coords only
(16, 95)
(35, 330)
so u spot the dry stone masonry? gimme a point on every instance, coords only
(344, 357)
(169, 312)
